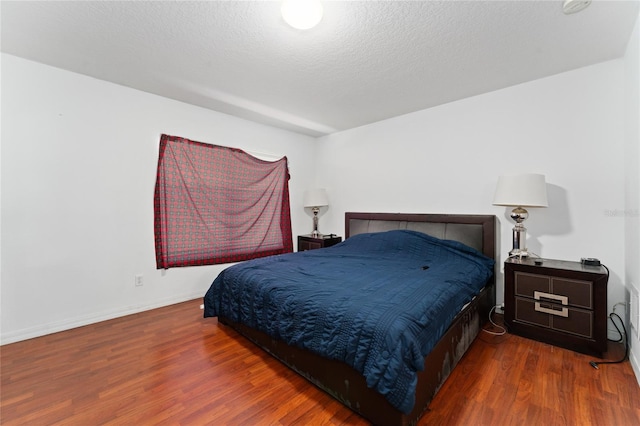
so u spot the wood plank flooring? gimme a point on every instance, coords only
(170, 366)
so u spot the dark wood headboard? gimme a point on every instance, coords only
(477, 231)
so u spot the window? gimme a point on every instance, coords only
(214, 204)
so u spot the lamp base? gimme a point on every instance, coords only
(519, 253)
(315, 233)
(519, 237)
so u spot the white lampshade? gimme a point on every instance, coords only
(316, 198)
(527, 190)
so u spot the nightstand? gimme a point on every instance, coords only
(558, 302)
(307, 242)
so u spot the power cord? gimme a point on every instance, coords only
(605, 267)
(500, 333)
(624, 337)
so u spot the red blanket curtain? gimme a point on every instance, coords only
(214, 204)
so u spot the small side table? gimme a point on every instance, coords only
(308, 242)
(558, 302)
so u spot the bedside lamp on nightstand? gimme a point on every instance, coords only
(528, 190)
(315, 199)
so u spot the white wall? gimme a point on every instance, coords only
(79, 159)
(447, 159)
(632, 186)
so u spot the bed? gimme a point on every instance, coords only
(392, 381)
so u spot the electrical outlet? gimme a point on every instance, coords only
(138, 280)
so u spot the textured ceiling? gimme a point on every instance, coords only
(366, 61)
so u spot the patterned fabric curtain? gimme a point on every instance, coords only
(214, 204)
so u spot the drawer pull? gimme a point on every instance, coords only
(564, 312)
(540, 295)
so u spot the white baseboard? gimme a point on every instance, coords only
(68, 324)
(635, 364)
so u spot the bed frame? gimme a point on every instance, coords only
(346, 384)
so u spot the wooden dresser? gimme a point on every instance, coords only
(558, 302)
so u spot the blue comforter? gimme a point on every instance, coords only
(378, 302)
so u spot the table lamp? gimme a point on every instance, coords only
(316, 198)
(520, 191)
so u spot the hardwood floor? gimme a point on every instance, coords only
(171, 366)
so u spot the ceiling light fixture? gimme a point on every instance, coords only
(302, 14)
(574, 6)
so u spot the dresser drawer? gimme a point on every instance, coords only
(554, 316)
(526, 284)
(304, 245)
(572, 292)
(579, 293)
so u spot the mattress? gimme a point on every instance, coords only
(378, 302)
